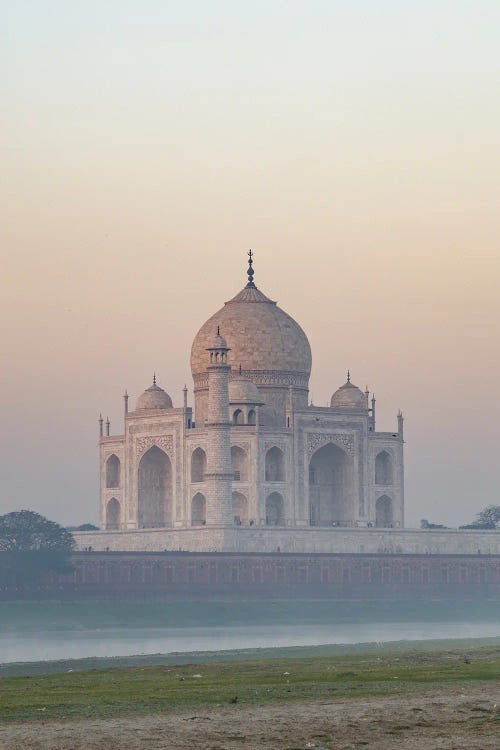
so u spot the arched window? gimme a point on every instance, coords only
(275, 510)
(238, 417)
(154, 490)
(198, 510)
(383, 512)
(198, 465)
(240, 509)
(113, 471)
(275, 465)
(239, 460)
(330, 487)
(113, 514)
(383, 468)
(252, 419)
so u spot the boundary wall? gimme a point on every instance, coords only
(345, 575)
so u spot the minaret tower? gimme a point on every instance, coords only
(219, 474)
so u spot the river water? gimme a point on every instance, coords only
(69, 642)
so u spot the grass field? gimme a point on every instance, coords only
(143, 690)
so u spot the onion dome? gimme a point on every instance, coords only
(348, 396)
(243, 391)
(154, 397)
(264, 339)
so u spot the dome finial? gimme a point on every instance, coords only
(250, 272)
(154, 378)
(348, 376)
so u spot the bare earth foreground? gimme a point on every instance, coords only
(450, 718)
(417, 700)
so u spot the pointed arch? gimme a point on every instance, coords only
(384, 513)
(239, 459)
(384, 472)
(155, 491)
(330, 487)
(252, 417)
(198, 510)
(113, 471)
(198, 465)
(238, 417)
(113, 514)
(275, 510)
(275, 465)
(240, 508)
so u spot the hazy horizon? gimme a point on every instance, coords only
(148, 146)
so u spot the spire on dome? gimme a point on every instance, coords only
(154, 378)
(250, 272)
(348, 376)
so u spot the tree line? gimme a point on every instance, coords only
(31, 547)
(488, 518)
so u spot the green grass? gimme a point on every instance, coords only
(146, 690)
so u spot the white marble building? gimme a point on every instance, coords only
(254, 453)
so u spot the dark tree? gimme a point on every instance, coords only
(489, 518)
(83, 527)
(425, 524)
(30, 547)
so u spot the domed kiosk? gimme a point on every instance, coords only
(153, 397)
(267, 346)
(349, 396)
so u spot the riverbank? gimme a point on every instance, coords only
(387, 698)
(378, 649)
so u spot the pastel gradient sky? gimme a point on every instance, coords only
(353, 145)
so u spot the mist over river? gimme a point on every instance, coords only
(39, 631)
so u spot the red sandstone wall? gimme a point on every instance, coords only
(116, 572)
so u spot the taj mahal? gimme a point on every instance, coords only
(255, 456)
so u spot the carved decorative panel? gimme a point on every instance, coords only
(243, 446)
(165, 442)
(316, 440)
(275, 444)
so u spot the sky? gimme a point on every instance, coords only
(147, 145)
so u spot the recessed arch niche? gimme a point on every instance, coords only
(113, 468)
(198, 465)
(331, 487)
(154, 502)
(113, 514)
(275, 509)
(384, 512)
(384, 471)
(198, 510)
(275, 465)
(240, 508)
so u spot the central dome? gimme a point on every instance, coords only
(261, 336)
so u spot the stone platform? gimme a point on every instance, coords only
(294, 540)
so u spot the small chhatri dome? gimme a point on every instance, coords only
(243, 391)
(218, 342)
(154, 397)
(348, 396)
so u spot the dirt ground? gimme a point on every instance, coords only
(455, 718)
